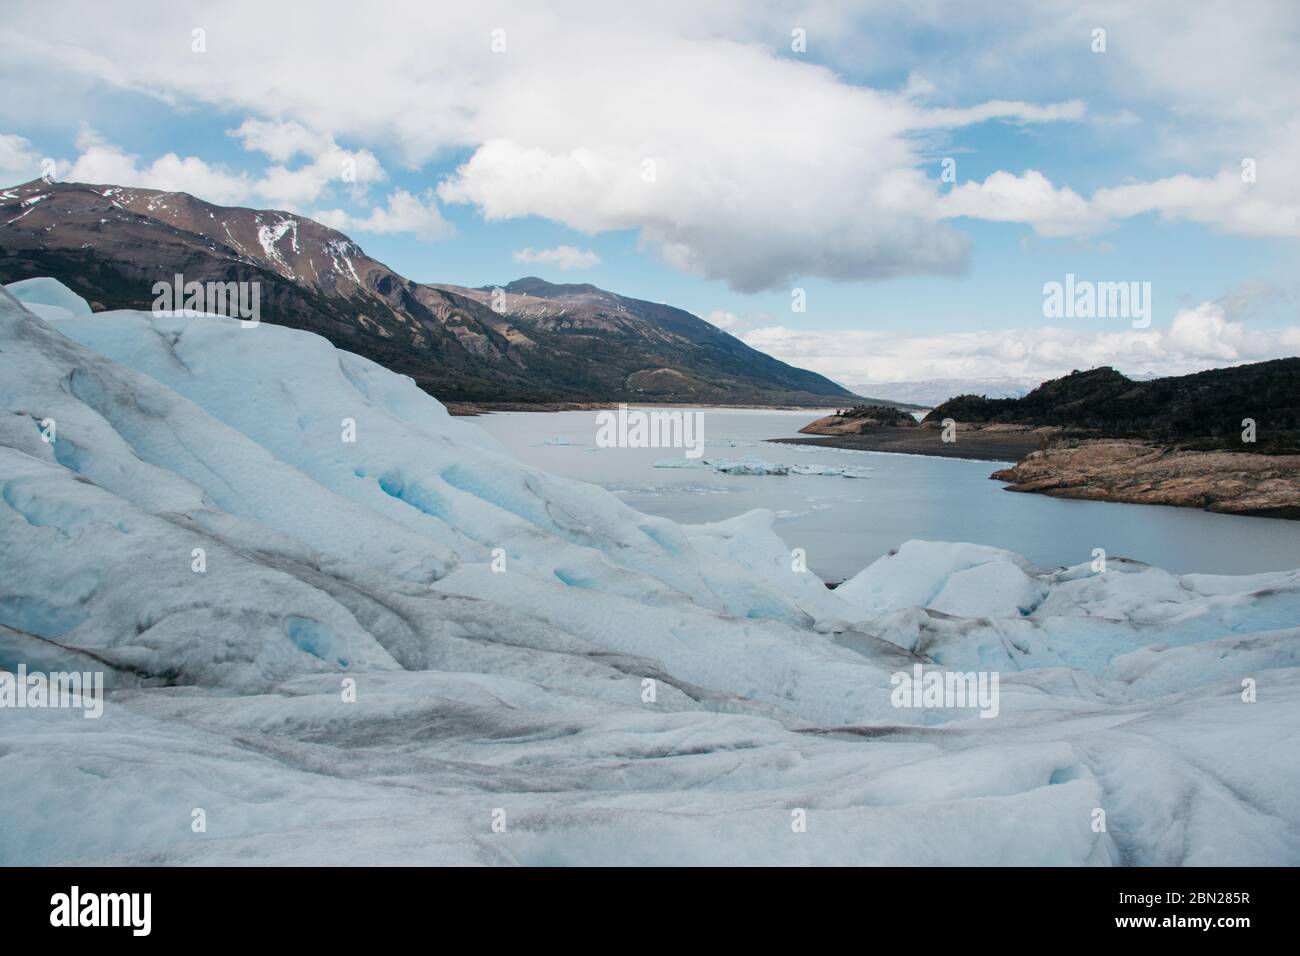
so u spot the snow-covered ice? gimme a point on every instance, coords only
(528, 650)
(49, 298)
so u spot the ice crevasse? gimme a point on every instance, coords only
(624, 688)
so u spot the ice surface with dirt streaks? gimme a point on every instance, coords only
(526, 650)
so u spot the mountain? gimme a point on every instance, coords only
(1204, 410)
(934, 391)
(648, 350)
(549, 343)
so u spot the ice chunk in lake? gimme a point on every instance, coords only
(840, 471)
(751, 466)
(757, 466)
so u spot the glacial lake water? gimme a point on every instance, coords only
(845, 523)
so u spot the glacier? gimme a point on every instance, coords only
(349, 628)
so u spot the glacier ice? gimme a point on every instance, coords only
(623, 689)
(48, 298)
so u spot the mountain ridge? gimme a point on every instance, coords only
(575, 343)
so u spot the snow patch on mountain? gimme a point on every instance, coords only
(269, 235)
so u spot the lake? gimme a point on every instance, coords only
(845, 523)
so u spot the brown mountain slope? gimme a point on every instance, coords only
(546, 344)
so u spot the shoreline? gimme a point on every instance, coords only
(998, 446)
(472, 409)
(1117, 471)
(1128, 471)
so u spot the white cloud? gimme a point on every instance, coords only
(418, 215)
(1268, 206)
(1197, 338)
(563, 258)
(727, 321)
(277, 186)
(1029, 198)
(767, 165)
(281, 141)
(1016, 111)
(19, 162)
(328, 162)
(736, 324)
(786, 190)
(101, 162)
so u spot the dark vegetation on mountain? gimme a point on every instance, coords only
(545, 343)
(878, 414)
(1202, 411)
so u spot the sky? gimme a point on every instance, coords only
(879, 192)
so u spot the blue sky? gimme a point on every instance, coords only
(774, 169)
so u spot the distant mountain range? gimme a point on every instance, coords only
(541, 343)
(933, 391)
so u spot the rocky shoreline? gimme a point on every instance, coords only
(1137, 472)
(872, 431)
(915, 441)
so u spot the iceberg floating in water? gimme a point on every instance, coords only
(751, 466)
(842, 471)
(757, 466)
(351, 628)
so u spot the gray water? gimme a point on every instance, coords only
(844, 523)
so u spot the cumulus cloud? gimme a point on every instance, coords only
(1197, 338)
(19, 162)
(1027, 198)
(277, 186)
(404, 212)
(102, 162)
(728, 321)
(281, 141)
(564, 258)
(699, 130)
(731, 158)
(786, 191)
(1234, 200)
(328, 163)
(736, 324)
